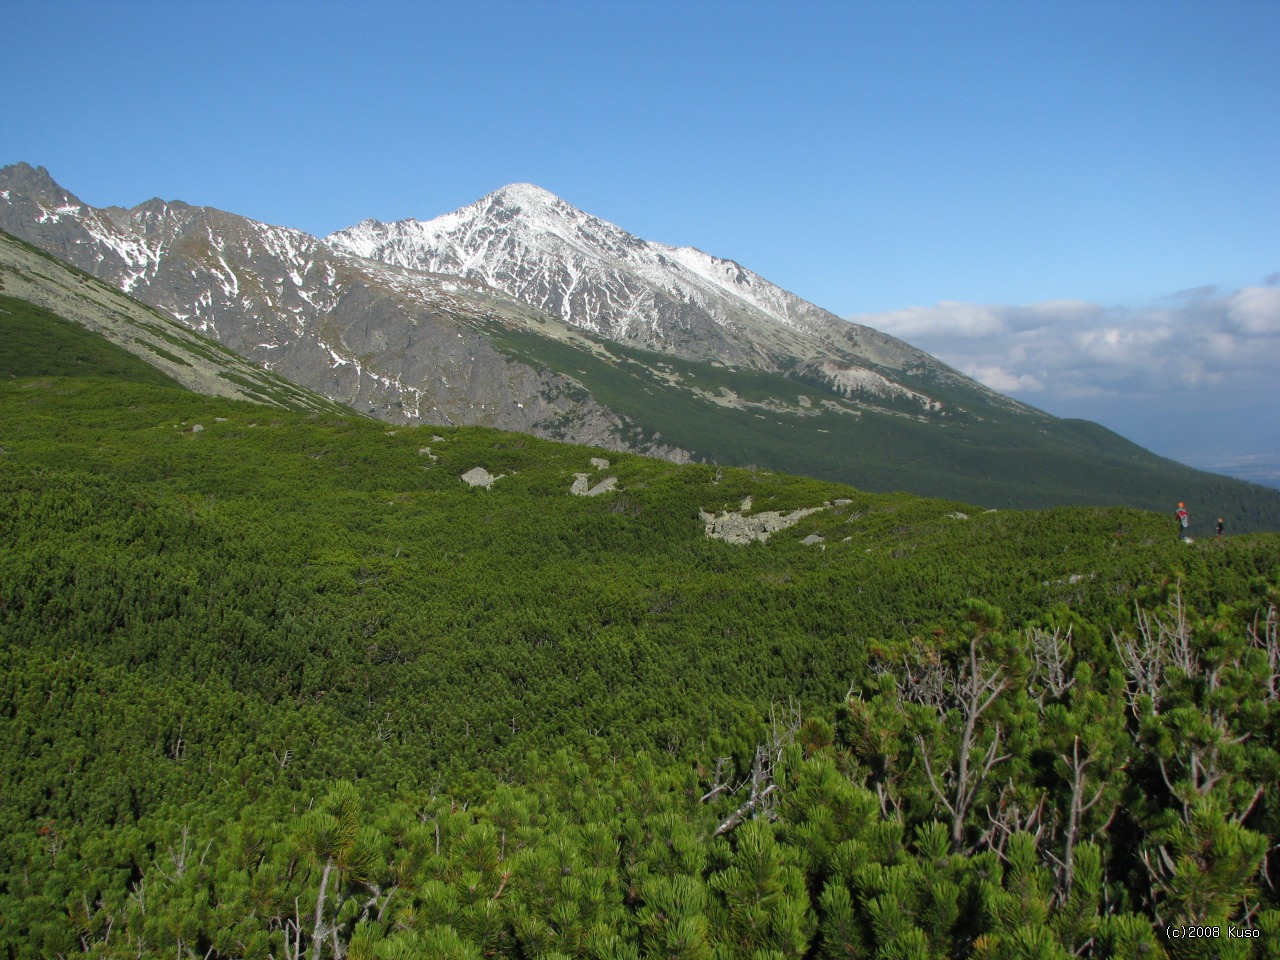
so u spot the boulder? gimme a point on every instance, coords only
(480, 477)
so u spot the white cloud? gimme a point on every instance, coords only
(948, 319)
(1197, 351)
(1078, 348)
(1000, 379)
(1256, 310)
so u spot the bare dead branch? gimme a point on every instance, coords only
(747, 810)
(1265, 635)
(720, 780)
(969, 691)
(763, 789)
(1051, 653)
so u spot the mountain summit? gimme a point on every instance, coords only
(539, 248)
(400, 345)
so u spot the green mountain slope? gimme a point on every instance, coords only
(1006, 457)
(375, 553)
(42, 344)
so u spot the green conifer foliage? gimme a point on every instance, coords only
(761, 902)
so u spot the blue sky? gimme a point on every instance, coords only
(909, 161)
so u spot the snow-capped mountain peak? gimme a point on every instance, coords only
(525, 194)
(533, 245)
(540, 249)
(517, 254)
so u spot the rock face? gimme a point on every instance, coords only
(738, 527)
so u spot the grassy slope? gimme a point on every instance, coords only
(349, 557)
(39, 343)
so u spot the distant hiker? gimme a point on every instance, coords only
(1219, 528)
(1184, 519)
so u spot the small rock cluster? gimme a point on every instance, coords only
(582, 481)
(582, 485)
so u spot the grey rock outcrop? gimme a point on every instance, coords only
(738, 527)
